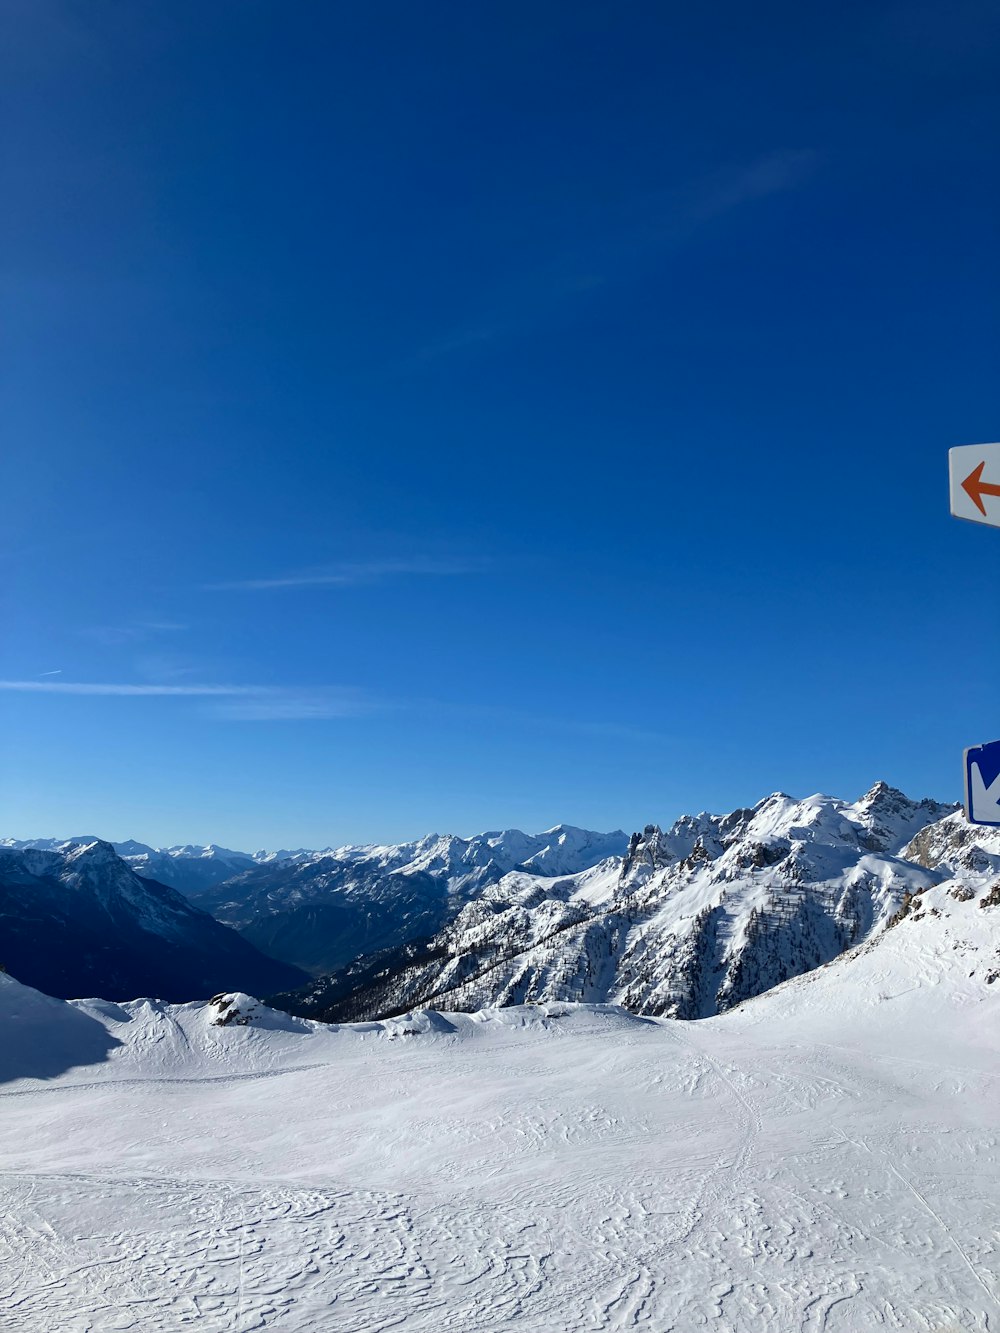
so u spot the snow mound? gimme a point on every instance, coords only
(41, 1038)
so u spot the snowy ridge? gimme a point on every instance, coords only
(954, 846)
(685, 922)
(690, 922)
(561, 850)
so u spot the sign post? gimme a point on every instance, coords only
(974, 475)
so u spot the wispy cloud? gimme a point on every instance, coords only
(275, 703)
(349, 574)
(125, 690)
(252, 703)
(281, 705)
(167, 669)
(722, 191)
(134, 631)
(498, 713)
(616, 242)
(57, 672)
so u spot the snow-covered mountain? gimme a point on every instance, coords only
(820, 1157)
(79, 921)
(684, 921)
(322, 912)
(187, 868)
(689, 922)
(460, 864)
(472, 862)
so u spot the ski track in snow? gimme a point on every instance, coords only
(592, 1174)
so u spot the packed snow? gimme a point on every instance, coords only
(822, 1157)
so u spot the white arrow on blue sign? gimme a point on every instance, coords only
(982, 783)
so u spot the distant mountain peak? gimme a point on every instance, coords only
(80, 921)
(881, 794)
(95, 850)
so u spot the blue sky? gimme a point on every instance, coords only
(456, 417)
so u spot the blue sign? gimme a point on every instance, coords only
(982, 784)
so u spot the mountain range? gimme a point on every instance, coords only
(187, 868)
(684, 922)
(318, 910)
(79, 921)
(687, 923)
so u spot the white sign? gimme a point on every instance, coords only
(974, 471)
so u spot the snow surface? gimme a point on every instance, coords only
(822, 1157)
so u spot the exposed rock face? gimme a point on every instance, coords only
(953, 843)
(233, 1010)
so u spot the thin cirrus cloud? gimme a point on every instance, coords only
(722, 191)
(123, 689)
(252, 703)
(493, 713)
(134, 632)
(288, 705)
(349, 574)
(617, 240)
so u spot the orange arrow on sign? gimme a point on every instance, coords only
(975, 488)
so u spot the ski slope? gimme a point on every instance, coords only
(825, 1157)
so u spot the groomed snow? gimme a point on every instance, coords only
(824, 1157)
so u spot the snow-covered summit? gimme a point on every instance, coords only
(890, 819)
(689, 921)
(321, 912)
(182, 867)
